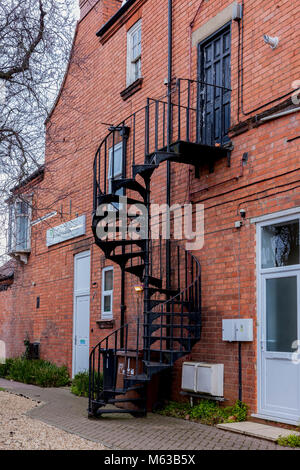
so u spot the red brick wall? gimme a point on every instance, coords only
(89, 102)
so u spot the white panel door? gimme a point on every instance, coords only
(280, 368)
(279, 319)
(81, 323)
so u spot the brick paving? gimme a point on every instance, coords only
(66, 411)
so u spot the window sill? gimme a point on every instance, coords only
(131, 89)
(105, 324)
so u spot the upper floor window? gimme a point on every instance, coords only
(134, 52)
(19, 226)
(115, 165)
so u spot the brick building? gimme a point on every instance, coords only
(186, 102)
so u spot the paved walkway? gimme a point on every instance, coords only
(66, 411)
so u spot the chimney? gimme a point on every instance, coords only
(107, 8)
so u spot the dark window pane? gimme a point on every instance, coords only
(107, 303)
(281, 304)
(108, 281)
(280, 244)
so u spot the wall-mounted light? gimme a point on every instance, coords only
(139, 288)
(272, 41)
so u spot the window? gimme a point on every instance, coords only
(280, 244)
(107, 293)
(134, 52)
(19, 226)
(115, 170)
(115, 166)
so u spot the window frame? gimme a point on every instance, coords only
(260, 225)
(13, 245)
(132, 61)
(107, 315)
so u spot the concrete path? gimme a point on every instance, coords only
(66, 411)
(262, 431)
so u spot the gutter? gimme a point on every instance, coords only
(278, 115)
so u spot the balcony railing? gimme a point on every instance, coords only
(200, 114)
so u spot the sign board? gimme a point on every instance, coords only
(72, 229)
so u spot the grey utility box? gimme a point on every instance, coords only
(237, 329)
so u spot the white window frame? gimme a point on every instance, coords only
(104, 293)
(13, 246)
(117, 175)
(132, 61)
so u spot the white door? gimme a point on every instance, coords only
(81, 323)
(279, 320)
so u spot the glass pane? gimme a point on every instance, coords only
(21, 232)
(107, 303)
(281, 314)
(117, 161)
(108, 280)
(280, 244)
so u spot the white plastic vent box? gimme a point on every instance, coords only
(201, 377)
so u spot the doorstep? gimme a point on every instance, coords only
(262, 431)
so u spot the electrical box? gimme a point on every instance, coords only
(237, 12)
(237, 329)
(201, 377)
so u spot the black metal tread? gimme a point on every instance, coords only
(145, 171)
(114, 198)
(122, 259)
(108, 245)
(170, 292)
(153, 364)
(189, 153)
(129, 183)
(137, 270)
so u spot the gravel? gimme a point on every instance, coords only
(18, 431)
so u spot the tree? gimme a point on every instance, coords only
(35, 44)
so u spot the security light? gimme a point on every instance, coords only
(138, 288)
(272, 41)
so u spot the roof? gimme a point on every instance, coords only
(115, 17)
(7, 270)
(39, 171)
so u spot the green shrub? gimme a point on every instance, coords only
(80, 384)
(292, 440)
(4, 368)
(207, 411)
(36, 372)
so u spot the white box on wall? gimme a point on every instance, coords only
(237, 329)
(201, 377)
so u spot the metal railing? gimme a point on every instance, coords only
(200, 114)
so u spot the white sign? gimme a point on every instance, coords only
(72, 229)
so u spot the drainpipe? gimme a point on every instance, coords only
(169, 130)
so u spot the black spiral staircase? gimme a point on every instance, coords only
(169, 323)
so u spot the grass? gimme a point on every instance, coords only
(36, 372)
(80, 384)
(206, 411)
(2, 389)
(292, 440)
